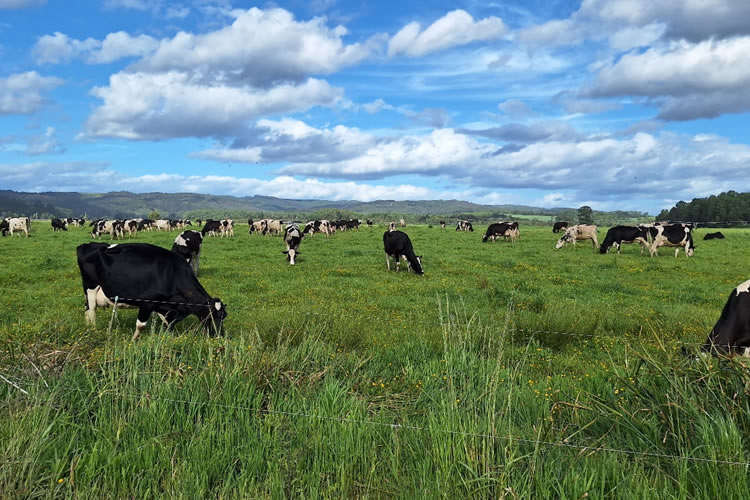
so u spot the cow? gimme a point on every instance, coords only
(18, 224)
(442, 225)
(227, 227)
(147, 277)
(714, 236)
(211, 228)
(130, 226)
(369, 222)
(188, 246)
(577, 233)
(464, 225)
(146, 224)
(398, 246)
(512, 233)
(272, 226)
(391, 226)
(495, 230)
(257, 227)
(112, 227)
(731, 333)
(618, 235)
(59, 225)
(560, 226)
(199, 222)
(163, 225)
(354, 224)
(672, 235)
(402, 222)
(317, 226)
(292, 238)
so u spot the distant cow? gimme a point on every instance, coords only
(560, 226)
(391, 226)
(146, 277)
(369, 223)
(442, 224)
(464, 225)
(673, 235)
(273, 226)
(579, 232)
(19, 224)
(112, 227)
(163, 225)
(146, 224)
(402, 222)
(317, 226)
(714, 236)
(188, 246)
(618, 235)
(495, 230)
(227, 227)
(292, 238)
(211, 228)
(731, 333)
(59, 225)
(130, 226)
(398, 246)
(257, 227)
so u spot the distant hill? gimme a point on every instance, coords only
(125, 204)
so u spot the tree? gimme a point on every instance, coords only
(585, 215)
(154, 215)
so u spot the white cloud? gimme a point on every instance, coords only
(376, 106)
(516, 108)
(697, 79)
(44, 144)
(454, 29)
(61, 48)
(21, 93)
(143, 106)
(20, 4)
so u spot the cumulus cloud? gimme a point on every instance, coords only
(20, 4)
(60, 47)
(145, 106)
(21, 93)
(456, 28)
(692, 80)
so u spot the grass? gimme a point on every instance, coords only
(508, 370)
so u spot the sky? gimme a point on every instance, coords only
(626, 104)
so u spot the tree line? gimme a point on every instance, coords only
(725, 207)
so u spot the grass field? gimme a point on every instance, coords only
(507, 371)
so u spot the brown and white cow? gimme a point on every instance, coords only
(579, 232)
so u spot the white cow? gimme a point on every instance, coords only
(577, 233)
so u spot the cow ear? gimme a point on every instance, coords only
(285, 251)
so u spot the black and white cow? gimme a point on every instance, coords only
(211, 228)
(163, 225)
(292, 238)
(464, 225)
(227, 227)
(19, 224)
(130, 226)
(672, 235)
(442, 224)
(560, 226)
(714, 236)
(369, 222)
(618, 235)
(188, 246)
(317, 226)
(495, 230)
(398, 246)
(146, 277)
(112, 227)
(146, 224)
(59, 225)
(731, 333)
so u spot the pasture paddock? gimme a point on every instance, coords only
(483, 378)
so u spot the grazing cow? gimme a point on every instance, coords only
(672, 235)
(495, 230)
(560, 226)
(442, 225)
(148, 277)
(464, 225)
(59, 225)
(714, 236)
(18, 224)
(163, 225)
(211, 228)
(317, 226)
(188, 246)
(354, 224)
(369, 222)
(577, 233)
(273, 226)
(618, 235)
(731, 333)
(398, 246)
(292, 238)
(402, 222)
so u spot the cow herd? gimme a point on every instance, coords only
(156, 280)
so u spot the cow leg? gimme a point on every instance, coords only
(140, 323)
(388, 261)
(90, 313)
(677, 251)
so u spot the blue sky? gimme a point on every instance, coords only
(627, 104)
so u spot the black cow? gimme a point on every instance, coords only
(188, 246)
(58, 225)
(4, 227)
(398, 246)
(672, 235)
(560, 226)
(147, 277)
(618, 235)
(731, 333)
(369, 223)
(146, 224)
(292, 238)
(495, 230)
(714, 236)
(212, 228)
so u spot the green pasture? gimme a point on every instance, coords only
(507, 370)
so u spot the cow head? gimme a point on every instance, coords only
(291, 254)
(214, 319)
(417, 267)
(564, 239)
